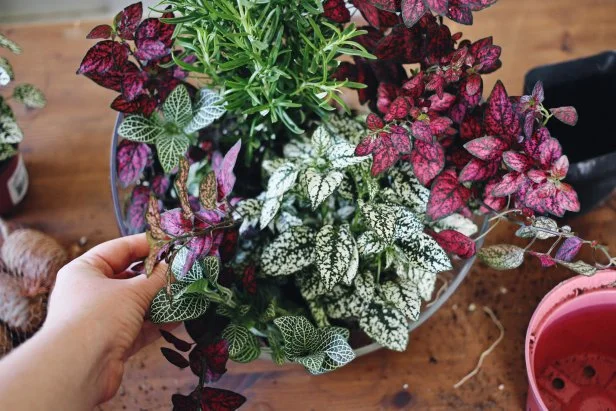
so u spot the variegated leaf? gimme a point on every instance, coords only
(208, 191)
(407, 223)
(404, 295)
(457, 222)
(321, 139)
(186, 306)
(425, 281)
(29, 95)
(289, 252)
(422, 251)
(282, 180)
(310, 285)
(243, 345)
(342, 155)
(381, 219)
(579, 267)
(369, 243)
(299, 335)
(268, 211)
(141, 129)
(385, 324)
(249, 211)
(409, 190)
(321, 186)
(10, 133)
(286, 221)
(207, 110)
(6, 71)
(350, 302)
(530, 231)
(336, 255)
(502, 256)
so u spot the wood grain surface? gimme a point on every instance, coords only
(67, 154)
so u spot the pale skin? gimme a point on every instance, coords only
(96, 321)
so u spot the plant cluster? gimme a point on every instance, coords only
(26, 94)
(334, 224)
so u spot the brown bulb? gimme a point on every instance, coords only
(6, 342)
(18, 311)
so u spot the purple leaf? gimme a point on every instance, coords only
(500, 119)
(178, 343)
(478, 170)
(103, 56)
(102, 31)
(567, 115)
(569, 249)
(151, 50)
(136, 209)
(128, 20)
(487, 148)
(224, 174)
(131, 158)
(412, 11)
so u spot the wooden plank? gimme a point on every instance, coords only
(66, 151)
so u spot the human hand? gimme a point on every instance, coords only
(97, 303)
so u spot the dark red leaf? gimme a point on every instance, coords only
(567, 115)
(131, 158)
(529, 124)
(102, 31)
(470, 128)
(178, 343)
(478, 170)
(510, 184)
(455, 242)
(151, 50)
(103, 56)
(366, 146)
(549, 152)
(412, 11)
(154, 29)
(213, 356)
(217, 399)
(569, 249)
(428, 160)
(473, 84)
(388, 19)
(143, 104)
(133, 84)
(389, 5)
(447, 196)
(384, 155)
(370, 12)
(386, 93)
(495, 203)
(517, 161)
(186, 402)
(421, 131)
(460, 13)
(438, 6)
(128, 20)
(112, 79)
(374, 122)
(249, 280)
(228, 246)
(487, 59)
(398, 109)
(500, 118)
(174, 357)
(336, 10)
(487, 148)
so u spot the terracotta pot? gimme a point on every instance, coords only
(571, 346)
(13, 183)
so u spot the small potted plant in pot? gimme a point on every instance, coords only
(13, 174)
(300, 229)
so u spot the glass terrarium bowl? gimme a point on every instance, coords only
(448, 284)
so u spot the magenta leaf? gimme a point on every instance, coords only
(388, 5)
(131, 158)
(549, 152)
(422, 131)
(529, 124)
(478, 170)
(470, 128)
(487, 148)
(174, 357)
(374, 122)
(560, 168)
(173, 222)
(500, 118)
(398, 109)
(217, 399)
(455, 242)
(443, 103)
(510, 184)
(567, 115)
(477, 5)
(428, 160)
(495, 203)
(412, 11)
(102, 57)
(538, 94)
(569, 249)
(473, 84)
(366, 146)
(459, 13)
(447, 196)
(567, 197)
(133, 84)
(536, 176)
(224, 175)
(517, 161)
(102, 32)
(532, 144)
(545, 260)
(160, 185)
(154, 29)
(384, 155)
(336, 10)
(438, 6)
(136, 209)
(440, 125)
(128, 20)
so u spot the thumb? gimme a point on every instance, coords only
(147, 287)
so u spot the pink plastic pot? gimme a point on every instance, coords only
(571, 346)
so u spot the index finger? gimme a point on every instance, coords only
(117, 255)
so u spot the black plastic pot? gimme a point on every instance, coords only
(588, 84)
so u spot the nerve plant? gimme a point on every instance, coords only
(349, 217)
(27, 94)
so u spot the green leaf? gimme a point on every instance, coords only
(531, 231)
(211, 267)
(345, 302)
(185, 307)
(342, 155)
(385, 324)
(579, 267)
(336, 255)
(177, 108)
(10, 133)
(9, 44)
(243, 345)
(369, 243)
(269, 210)
(207, 110)
(6, 71)
(282, 180)
(289, 252)
(404, 295)
(29, 96)
(141, 129)
(422, 251)
(319, 315)
(502, 256)
(381, 219)
(170, 149)
(321, 186)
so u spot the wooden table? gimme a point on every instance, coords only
(67, 154)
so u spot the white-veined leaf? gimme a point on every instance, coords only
(335, 346)
(502, 256)
(141, 129)
(184, 307)
(170, 148)
(243, 345)
(299, 335)
(385, 324)
(207, 110)
(289, 252)
(177, 107)
(321, 186)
